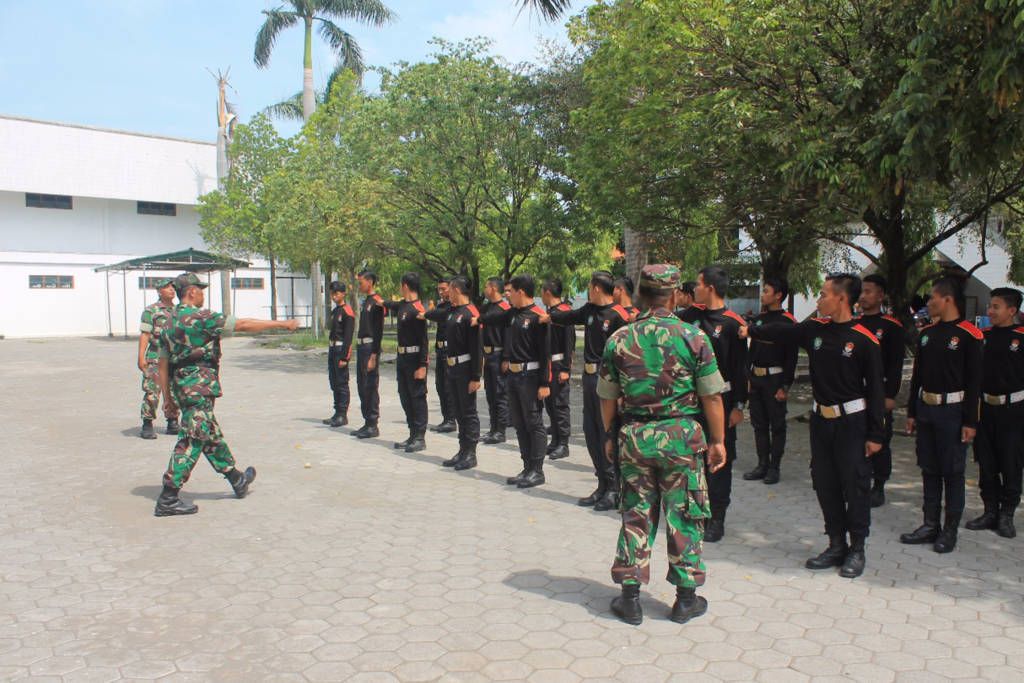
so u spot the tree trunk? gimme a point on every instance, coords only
(636, 252)
(225, 292)
(308, 107)
(273, 289)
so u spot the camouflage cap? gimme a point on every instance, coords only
(660, 276)
(161, 282)
(186, 280)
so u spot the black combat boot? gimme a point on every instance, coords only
(451, 462)
(560, 451)
(759, 471)
(402, 445)
(147, 430)
(688, 605)
(468, 459)
(878, 493)
(513, 481)
(332, 418)
(496, 436)
(173, 427)
(988, 519)
(853, 565)
(833, 556)
(367, 431)
(772, 475)
(945, 542)
(714, 528)
(416, 444)
(446, 427)
(533, 477)
(338, 421)
(593, 497)
(240, 480)
(610, 499)
(168, 504)
(926, 533)
(1005, 526)
(627, 606)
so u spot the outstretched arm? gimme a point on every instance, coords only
(256, 325)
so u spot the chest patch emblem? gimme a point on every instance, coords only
(1014, 345)
(954, 343)
(526, 323)
(817, 343)
(848, 350)
(605, 325)
(718, 332)
(878, 333)
(924, 340)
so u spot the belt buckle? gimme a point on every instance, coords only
(451, 362)
(516, 367)
(993, 400)
(590, 368)
(931, 399)
(488, 349)
(829, 412)
(760, 372)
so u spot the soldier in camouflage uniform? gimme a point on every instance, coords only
(155, 319)
(190, 359)
(665, 372)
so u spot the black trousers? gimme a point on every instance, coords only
(338, 378)
(881, 462)
(557, 407)
(999, 452)
(593, 433)
(840, 473)
(444, 396)
(720, 482)
(412, 392)
(768, 418)
(496, 391)
(457, 377)
(942, 457)
(368, 385)
(525, 411)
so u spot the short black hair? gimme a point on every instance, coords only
(412, 281)
(687, 287)
(496, 282)
(653, 298)
(1011, 296)
(845, 283)
(626, 282)
(338, 287)
(879, 281)
(461, 283)
(603, 280)
(715, 277)
(523, 283)
(948, 286)
(553, 286)
(368, 275)
(778, 285)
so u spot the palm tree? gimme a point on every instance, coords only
(291, 108)
(549, 9)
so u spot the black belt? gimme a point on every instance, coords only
(644, 419)
(197, 364)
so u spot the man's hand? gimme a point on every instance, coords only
(421, 373)
(422, 315)
(504, 366)
(735, 417)
(743, 333)
(890, 405)
(563, 377)
(342, 363)
(870, 448)
(474, 387)
(910, 425)
(474, 321)
(543, 393)
(371, 362)
(716, 456)
(142, 364)
(544, 318)
(781, 395)
(290, 325)
(967, 434)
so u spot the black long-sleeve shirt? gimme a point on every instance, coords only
(723, 328)
(371, 321)
(494, 319)
(563, 341)
(439, 314)
(529, 340)
(765, 353)
(949, 359)
(343, 322)
(599, 323)
(889, 333)
(845, 363)
(463, 338)
(1003, 360)
(411, 330)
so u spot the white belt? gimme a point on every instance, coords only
(408, 349)
(763, 372)
(727, 387)
(857, 405)
(521, 367)
(1003, 399)
(557, 356)
(337, 343)
(365, 340)
(464, 358)
(941, 399)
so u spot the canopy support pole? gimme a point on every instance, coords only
(124, 292)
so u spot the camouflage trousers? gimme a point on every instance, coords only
(661, 469)
(200, 434)
(151, 394)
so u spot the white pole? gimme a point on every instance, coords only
(124, 293)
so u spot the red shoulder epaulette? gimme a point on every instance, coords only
(970, 329)
(418, 305)
(348, 311)
(986, 329)
(377, 299)
(700, 306)
(863, 330)
(621, 311)
(893, 320)
(537, 309)
(473, 312)
(563, 307)
(504, 305)
(1019, 329)
(823, 321)
(929, 325)
(735, 316)
(787, 314)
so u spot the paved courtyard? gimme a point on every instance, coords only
(351, 561)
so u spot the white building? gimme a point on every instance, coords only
(74, 198)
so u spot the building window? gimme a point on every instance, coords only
(246, 283)
(51, 282)
(156, 208)
(35, 200)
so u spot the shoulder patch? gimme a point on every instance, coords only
(418, 305)
(988, 329)
(472, 311)
(563, 307)
(504, 305)
(536, 309)
(788, 315)
(970, 329)
(621, 311)
(863, 330)
(892, 320)
(929, 325)
(348, 311)
(1019, 329)
(735, 316)
(822, 321)
(700, 306)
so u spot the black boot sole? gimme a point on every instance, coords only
(699, 608)
(631, 619)
(174, 511)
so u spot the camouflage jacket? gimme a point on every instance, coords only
(192, 344)
(155, 320)
(660, 367)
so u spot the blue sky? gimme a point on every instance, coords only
(141, 64)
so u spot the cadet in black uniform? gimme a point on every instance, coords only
(439, 315)
(343, 321)
(563, 346)
(999, 448)
(889, 333)
(683, 297)
(493, 334)
(413, 358)
(368, 337)
(601, 316)
(945, 389)
(722, 326)
(846, 417)
(772, 368)
(623, 296)
(527, 359)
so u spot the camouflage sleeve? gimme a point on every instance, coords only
(608, 378)
(146, 324)
(218, 324)
(708, 378)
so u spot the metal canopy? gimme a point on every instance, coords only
(191, 260)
